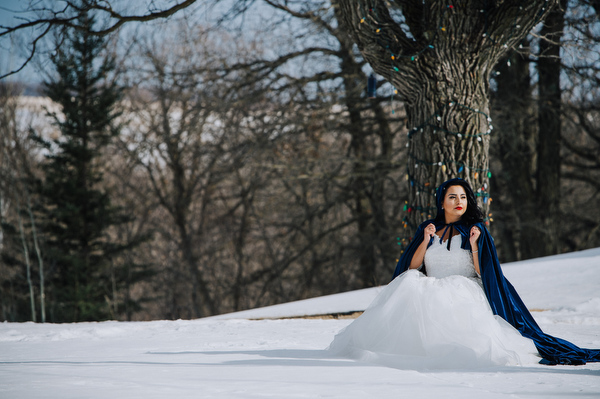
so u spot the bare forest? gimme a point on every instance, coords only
(238, 160)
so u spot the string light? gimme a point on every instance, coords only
(436, 128)
(371, 20)
(462, 167)
(426, 189)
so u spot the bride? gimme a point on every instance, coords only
(449, 305)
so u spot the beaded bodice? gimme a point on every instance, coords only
(443, 263)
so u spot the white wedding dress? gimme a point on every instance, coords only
(442, 320)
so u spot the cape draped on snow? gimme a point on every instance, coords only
(501, 295)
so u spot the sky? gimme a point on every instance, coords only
(204, 12)
(7, 8)
(12, 52)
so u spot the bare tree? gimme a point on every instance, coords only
(17, 166)
(439, 57)
(366, 129)
(179, 137)
(436, 55)
(580, 145)
(269, 176)
(541, 125)
(39, 19)
(549, 123)
(512, 152)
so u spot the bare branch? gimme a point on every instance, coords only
(310, 15)
(66, 17)
(122, 19)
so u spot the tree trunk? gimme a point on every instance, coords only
(439, 60)
(384, 234)
(201, 301)
(28, 266)
(354, 79)
(449, 138)
(513, 146)
(40, 259)
(549, 122)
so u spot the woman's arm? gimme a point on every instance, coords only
(473, 237)
(419, 255)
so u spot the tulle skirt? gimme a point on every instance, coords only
(426, 322)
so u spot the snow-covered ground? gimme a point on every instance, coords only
(252, 354)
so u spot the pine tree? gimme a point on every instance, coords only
(77, 211)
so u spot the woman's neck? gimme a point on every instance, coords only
(450, 220)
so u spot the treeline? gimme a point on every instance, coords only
(239, 185)
(545, 149)
(202, 173)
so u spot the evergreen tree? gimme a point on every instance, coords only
(77, 211)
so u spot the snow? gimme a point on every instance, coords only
(253, 354)
(331, 304)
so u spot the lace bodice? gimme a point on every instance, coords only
(440, 262)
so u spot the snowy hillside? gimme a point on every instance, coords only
(238, 356)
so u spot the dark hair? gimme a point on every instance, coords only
(472, 215)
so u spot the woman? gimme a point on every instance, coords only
(465, 313)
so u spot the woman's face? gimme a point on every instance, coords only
(455, 203)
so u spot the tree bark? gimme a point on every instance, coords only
(40, 259)
(549, 122)
(440, 60)
(513, 146)
(353, 89)
(28, 267)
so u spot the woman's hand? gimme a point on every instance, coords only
(474, 236)
(418, 257)
(429, 232)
